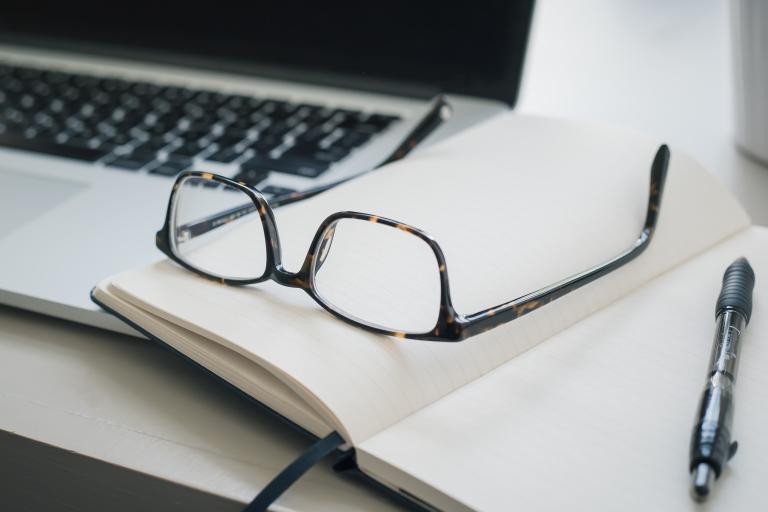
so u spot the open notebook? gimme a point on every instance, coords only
(516, 203)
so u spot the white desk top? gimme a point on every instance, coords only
(662, 68)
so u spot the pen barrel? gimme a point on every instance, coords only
(711, 439)
(724, 359)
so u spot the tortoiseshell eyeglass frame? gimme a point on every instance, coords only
(450, 325)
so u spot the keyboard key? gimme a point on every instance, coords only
(381, 120)
(181, 160)
(288, 165)
(236, 102)
(315, 135)
(311, 151)
(225, 156)
(277, 110)
(234, 133)
(83, 81)
(103, 145)
(343, 112)
(252, 175)
(176, 94)
(145, 89)
(329, 155)
(208, 99)
(133, 160)
(368, 128)
(118, 139)
(277, 130)
(242, 124)
(49, 147)
(158, 132)
(188, 150)
(226, 115)
(143, 154)
(348, 120)
(196, 129)
(265, 144)
(128, 163)
(152, 145)
(113, 84)
(168, 168)
(81, 142)
(225, 141)
(353, 139)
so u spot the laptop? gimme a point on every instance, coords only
(101, 109)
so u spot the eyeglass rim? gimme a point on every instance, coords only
(447, 318)
(310, 261)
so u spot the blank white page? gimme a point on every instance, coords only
(227, 364)
(600, 416)
(517, 203)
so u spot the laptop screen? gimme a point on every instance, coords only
(415, 48)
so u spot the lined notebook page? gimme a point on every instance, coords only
(517, 203)
(602, 413)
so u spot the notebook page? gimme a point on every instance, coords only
(516, 203)
(227, 364)
(602, 412)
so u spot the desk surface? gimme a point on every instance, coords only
(662, 68)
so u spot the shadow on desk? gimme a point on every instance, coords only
(37, 476)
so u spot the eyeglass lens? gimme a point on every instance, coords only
(203, 235)
(378, 274)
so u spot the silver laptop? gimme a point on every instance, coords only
(101, 109)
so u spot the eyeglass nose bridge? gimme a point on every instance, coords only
(317, 255)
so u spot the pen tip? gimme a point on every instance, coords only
(701, 479)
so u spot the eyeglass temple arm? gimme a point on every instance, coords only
(439, 111)
(495, 316)
(207, 224)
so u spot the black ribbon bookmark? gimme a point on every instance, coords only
(294, 471)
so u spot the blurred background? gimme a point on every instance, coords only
(665, 68)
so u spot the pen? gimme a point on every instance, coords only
(711, 445)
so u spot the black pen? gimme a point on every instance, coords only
(711, 445)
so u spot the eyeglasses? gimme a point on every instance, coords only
(372, 272)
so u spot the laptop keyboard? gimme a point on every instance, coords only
(136, 126)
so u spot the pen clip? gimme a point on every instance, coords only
(732, 449)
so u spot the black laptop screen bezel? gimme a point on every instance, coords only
(484, 46)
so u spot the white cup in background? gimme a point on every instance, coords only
(749, 28)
